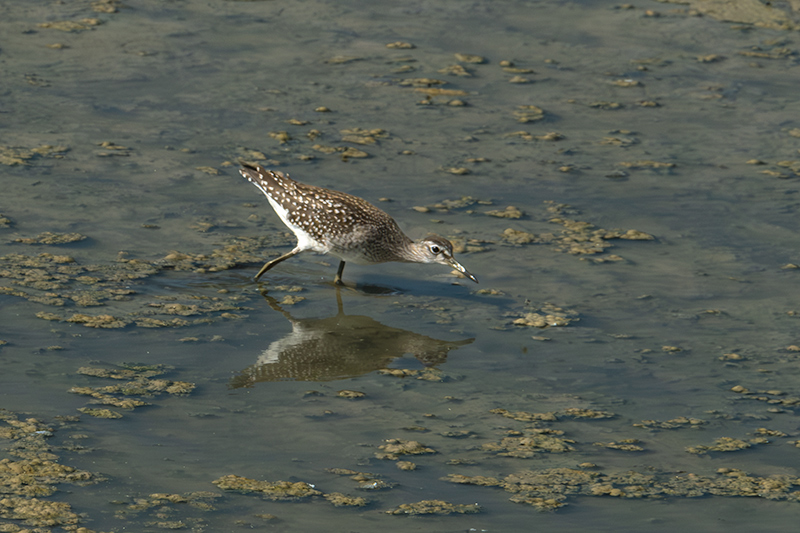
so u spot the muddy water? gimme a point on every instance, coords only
(592, 119)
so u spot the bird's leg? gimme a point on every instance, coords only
(338, 279)
(274, 262)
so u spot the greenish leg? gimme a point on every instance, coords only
(338, 279)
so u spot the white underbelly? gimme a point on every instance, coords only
(304, 240)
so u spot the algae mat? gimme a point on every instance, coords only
(622, 178)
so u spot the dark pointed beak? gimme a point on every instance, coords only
(455, 264)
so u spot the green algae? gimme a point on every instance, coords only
(34, 473)
(579, 238)
(570, 412)
(482, 481)
(579, 412)
(548, 315)
(530, 444)
(164, 321)
(725, 444)
(162, 505)
(350, 394)
(394, 448)
(625, 445)
(141, 384)
(274, 490)
(509, 212)
(36, 512)
(517, 237)
(524, 416)
(346, 472)
(100, 413)
(434, 507)
(61, 281)
(766, 15)
(584, 238)
(548, 489)
(528, 113)
(16, 155)
(106, 399)
(51, 238)
(342, 500)
(455, 70)
(38, 477)
(771, 397)
(364, 480)
(71, 25)
(674, 423)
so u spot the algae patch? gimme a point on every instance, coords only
(342, 500)
(548, 315)
(285, 490)
(61, 281)
(16, 155)
(394, 448)
(548, 489)
(277, 490)
(52, 238)
(33, 473)
(674, 423)
(775, 15)
(434, 507)
(72, 25)
(142, 383)
(725, 444)
(530, 443)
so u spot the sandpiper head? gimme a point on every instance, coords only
(436, 249)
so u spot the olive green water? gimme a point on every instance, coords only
(601, 124)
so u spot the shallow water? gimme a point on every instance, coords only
(183, 90)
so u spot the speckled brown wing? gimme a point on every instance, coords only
(346, 223)
(340, 222)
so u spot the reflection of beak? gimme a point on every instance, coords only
(455, 264)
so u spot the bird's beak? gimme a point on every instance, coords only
(455, 264)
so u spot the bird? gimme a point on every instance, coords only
(343, 225)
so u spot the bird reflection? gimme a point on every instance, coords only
(338, 347)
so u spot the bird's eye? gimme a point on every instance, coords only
(435, 249)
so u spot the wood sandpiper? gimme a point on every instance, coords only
(352, 229)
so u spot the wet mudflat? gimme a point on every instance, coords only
(622, 179)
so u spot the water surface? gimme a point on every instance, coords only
(654, 119)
